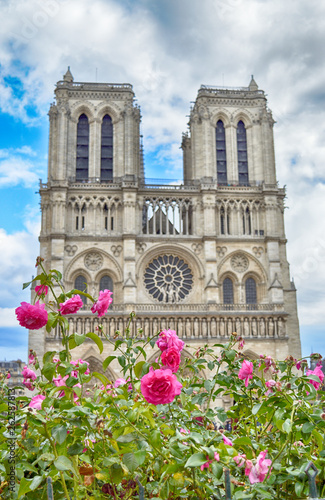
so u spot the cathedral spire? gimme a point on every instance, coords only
(68, 76)
(253, 85)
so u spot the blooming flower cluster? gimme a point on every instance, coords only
(256, 472)
(29, 377)
(161, 386)
(318, 372)
(103, 303)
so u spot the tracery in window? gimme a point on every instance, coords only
(106, 166)
(242, 154)
(221, 153)
(228, 291)
(82, 148)
(168, 279)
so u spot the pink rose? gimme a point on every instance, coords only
(31, 316)
(257, 473)
(240, 460)
(318, 372)
(171, 358)
(270, 383)
(206, 465)
(227, 441)
(103, 303)
(8, 375)
(160, 387)
(36, 402)
(71, 306)
(168, 339)
(119, 381)
(28, 373)
(41, 290)
(28, 384)
(246, 371)
(78, 363)
(31, 358)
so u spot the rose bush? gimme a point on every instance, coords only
(162, 424)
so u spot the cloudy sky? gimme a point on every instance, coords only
(166, 49)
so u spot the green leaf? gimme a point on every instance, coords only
(48, 357)
(217, 469)
(116, 473)
(287, 426)
(243, 440)
(138, 368)
(79, 339)
(36, 481)
(51, 321)
(48, 371)
(107, 362)
(127, 438)
(122, 361)
(230, 354)
(299, 488)
(256, 408)
(104, 380)
(63, 463)
(26, 285)
(140, 456)
(208, 385)
(196, 460)
(97, 340)
(319, 438)
(24, 487)
(130, 461)
(307, 427)
(59, 433)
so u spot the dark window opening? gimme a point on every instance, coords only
(82, 148)
(228, 292)
(112, 223)
(221, 153)
(105, 222)
(77, 223)
(106, 168)
(250, 288)
(242, 154)
(81, 284)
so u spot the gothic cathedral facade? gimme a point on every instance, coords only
(205, 258)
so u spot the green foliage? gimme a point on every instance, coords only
(95, 445)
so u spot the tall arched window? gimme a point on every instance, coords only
(250, 288)
(221, 153)
(228, 291)
(80, 283)
(106, 283)
(82, 148)
(242, 154)
(106, 166)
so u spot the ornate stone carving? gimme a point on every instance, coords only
(197, 247)
(239, 262)
(168, 279)
(221, 251)
(141, 247)
(116, 250)
(93, 261)
(71, 249)
(258, 251)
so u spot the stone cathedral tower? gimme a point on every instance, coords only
(205, 258)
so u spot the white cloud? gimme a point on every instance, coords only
(8, 317)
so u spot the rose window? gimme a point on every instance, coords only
(168, 279)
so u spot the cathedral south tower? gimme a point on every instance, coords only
(205, 258)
